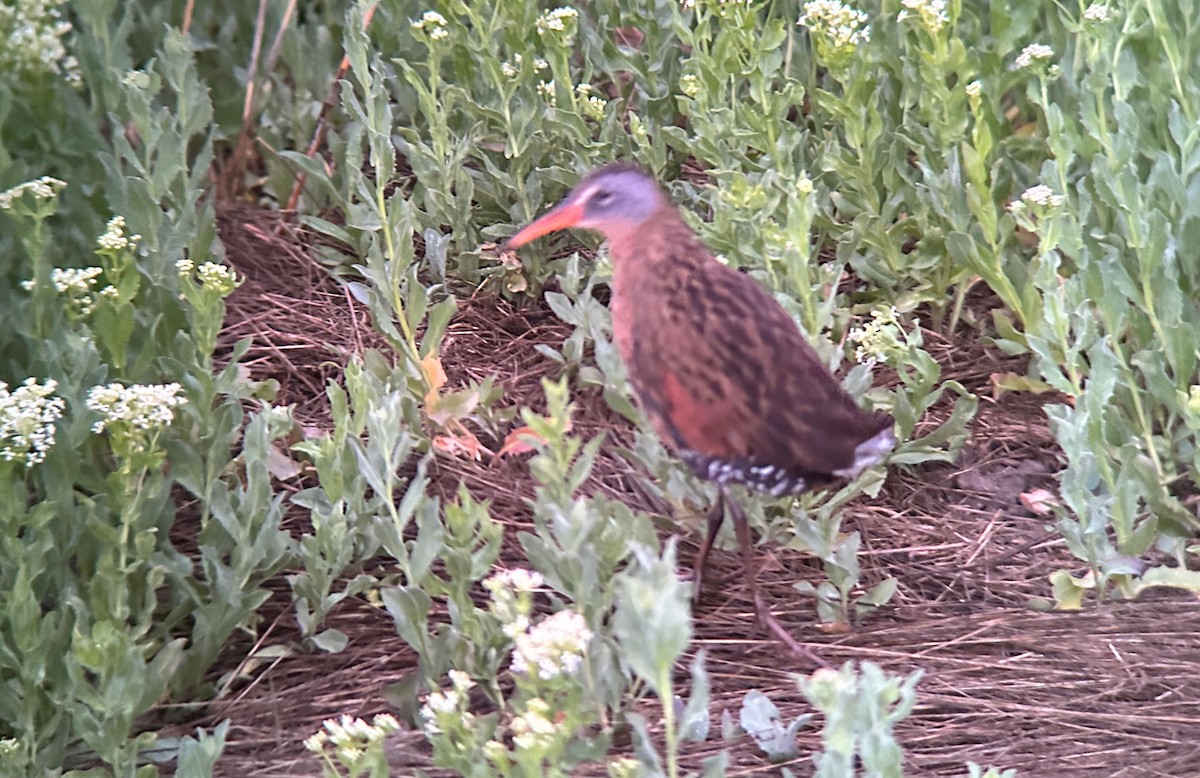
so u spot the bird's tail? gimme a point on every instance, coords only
(869, 453)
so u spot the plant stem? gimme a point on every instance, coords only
(668, 702)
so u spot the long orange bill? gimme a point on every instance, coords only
(560, 217)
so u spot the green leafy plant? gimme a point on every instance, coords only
(861, 706)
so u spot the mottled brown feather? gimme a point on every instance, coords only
(718, 365)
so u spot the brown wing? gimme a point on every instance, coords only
(726, 374)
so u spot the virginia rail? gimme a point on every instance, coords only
(720, 369)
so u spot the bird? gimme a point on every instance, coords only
(724, 375)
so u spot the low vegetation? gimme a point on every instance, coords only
(906, 177)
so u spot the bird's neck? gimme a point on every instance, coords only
(653, 250)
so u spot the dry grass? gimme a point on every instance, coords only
(1108, 691)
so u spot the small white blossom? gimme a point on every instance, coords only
(27, 421)
(560, 20)
(461, 682)
(75, 285)
(218, 278)
(114, 238)
(1041, 195)
(974, 89)
(44, 188)
(546, 90)
(316, 742)
(534, 730)
(9, 746)
(512, 598)
(31, 33)
(518, 578)
(689, 84)
(110, 292)
(590, 104)
(433, 24)
(141, 407)
(844, 25)
(351, 737)
(552, 647)
(451, 702)
(74, 279)
(509, 69)
(1034, 52)
(929, 13)
(185, 266)
(540, 64)
(880, 339)
(1097, 12)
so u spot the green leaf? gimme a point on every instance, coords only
(1068, 590)
(762, 721)
(653, 619)
(694, 723)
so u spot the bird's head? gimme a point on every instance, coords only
(613, 200)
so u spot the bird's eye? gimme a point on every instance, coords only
(602, 199)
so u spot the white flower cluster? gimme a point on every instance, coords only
(842, 24)
(546, 90)
(552, 647)
(433, 24)
(9, 746)
(1097, 12)
(512, 598)
(351, 736)
(218, 278)
(931, 14)
(560, 20)
(510, 68)
(1031, 54)
(75, 284)
(879, 339)
(31, 33)
(214, 277)
(44, 188)
(27, 418)
(142, 407)
(517, 579)
(689, 84)
(534, 730)
(1040, 196)
(114, 237)
(590, 104)
(974, 89)
(452, 701)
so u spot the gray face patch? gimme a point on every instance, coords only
(619, 195)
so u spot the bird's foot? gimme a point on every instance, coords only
(764, 619)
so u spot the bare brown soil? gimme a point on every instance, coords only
(1108, 691)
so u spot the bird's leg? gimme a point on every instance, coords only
(762, 614)
(714, 520)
